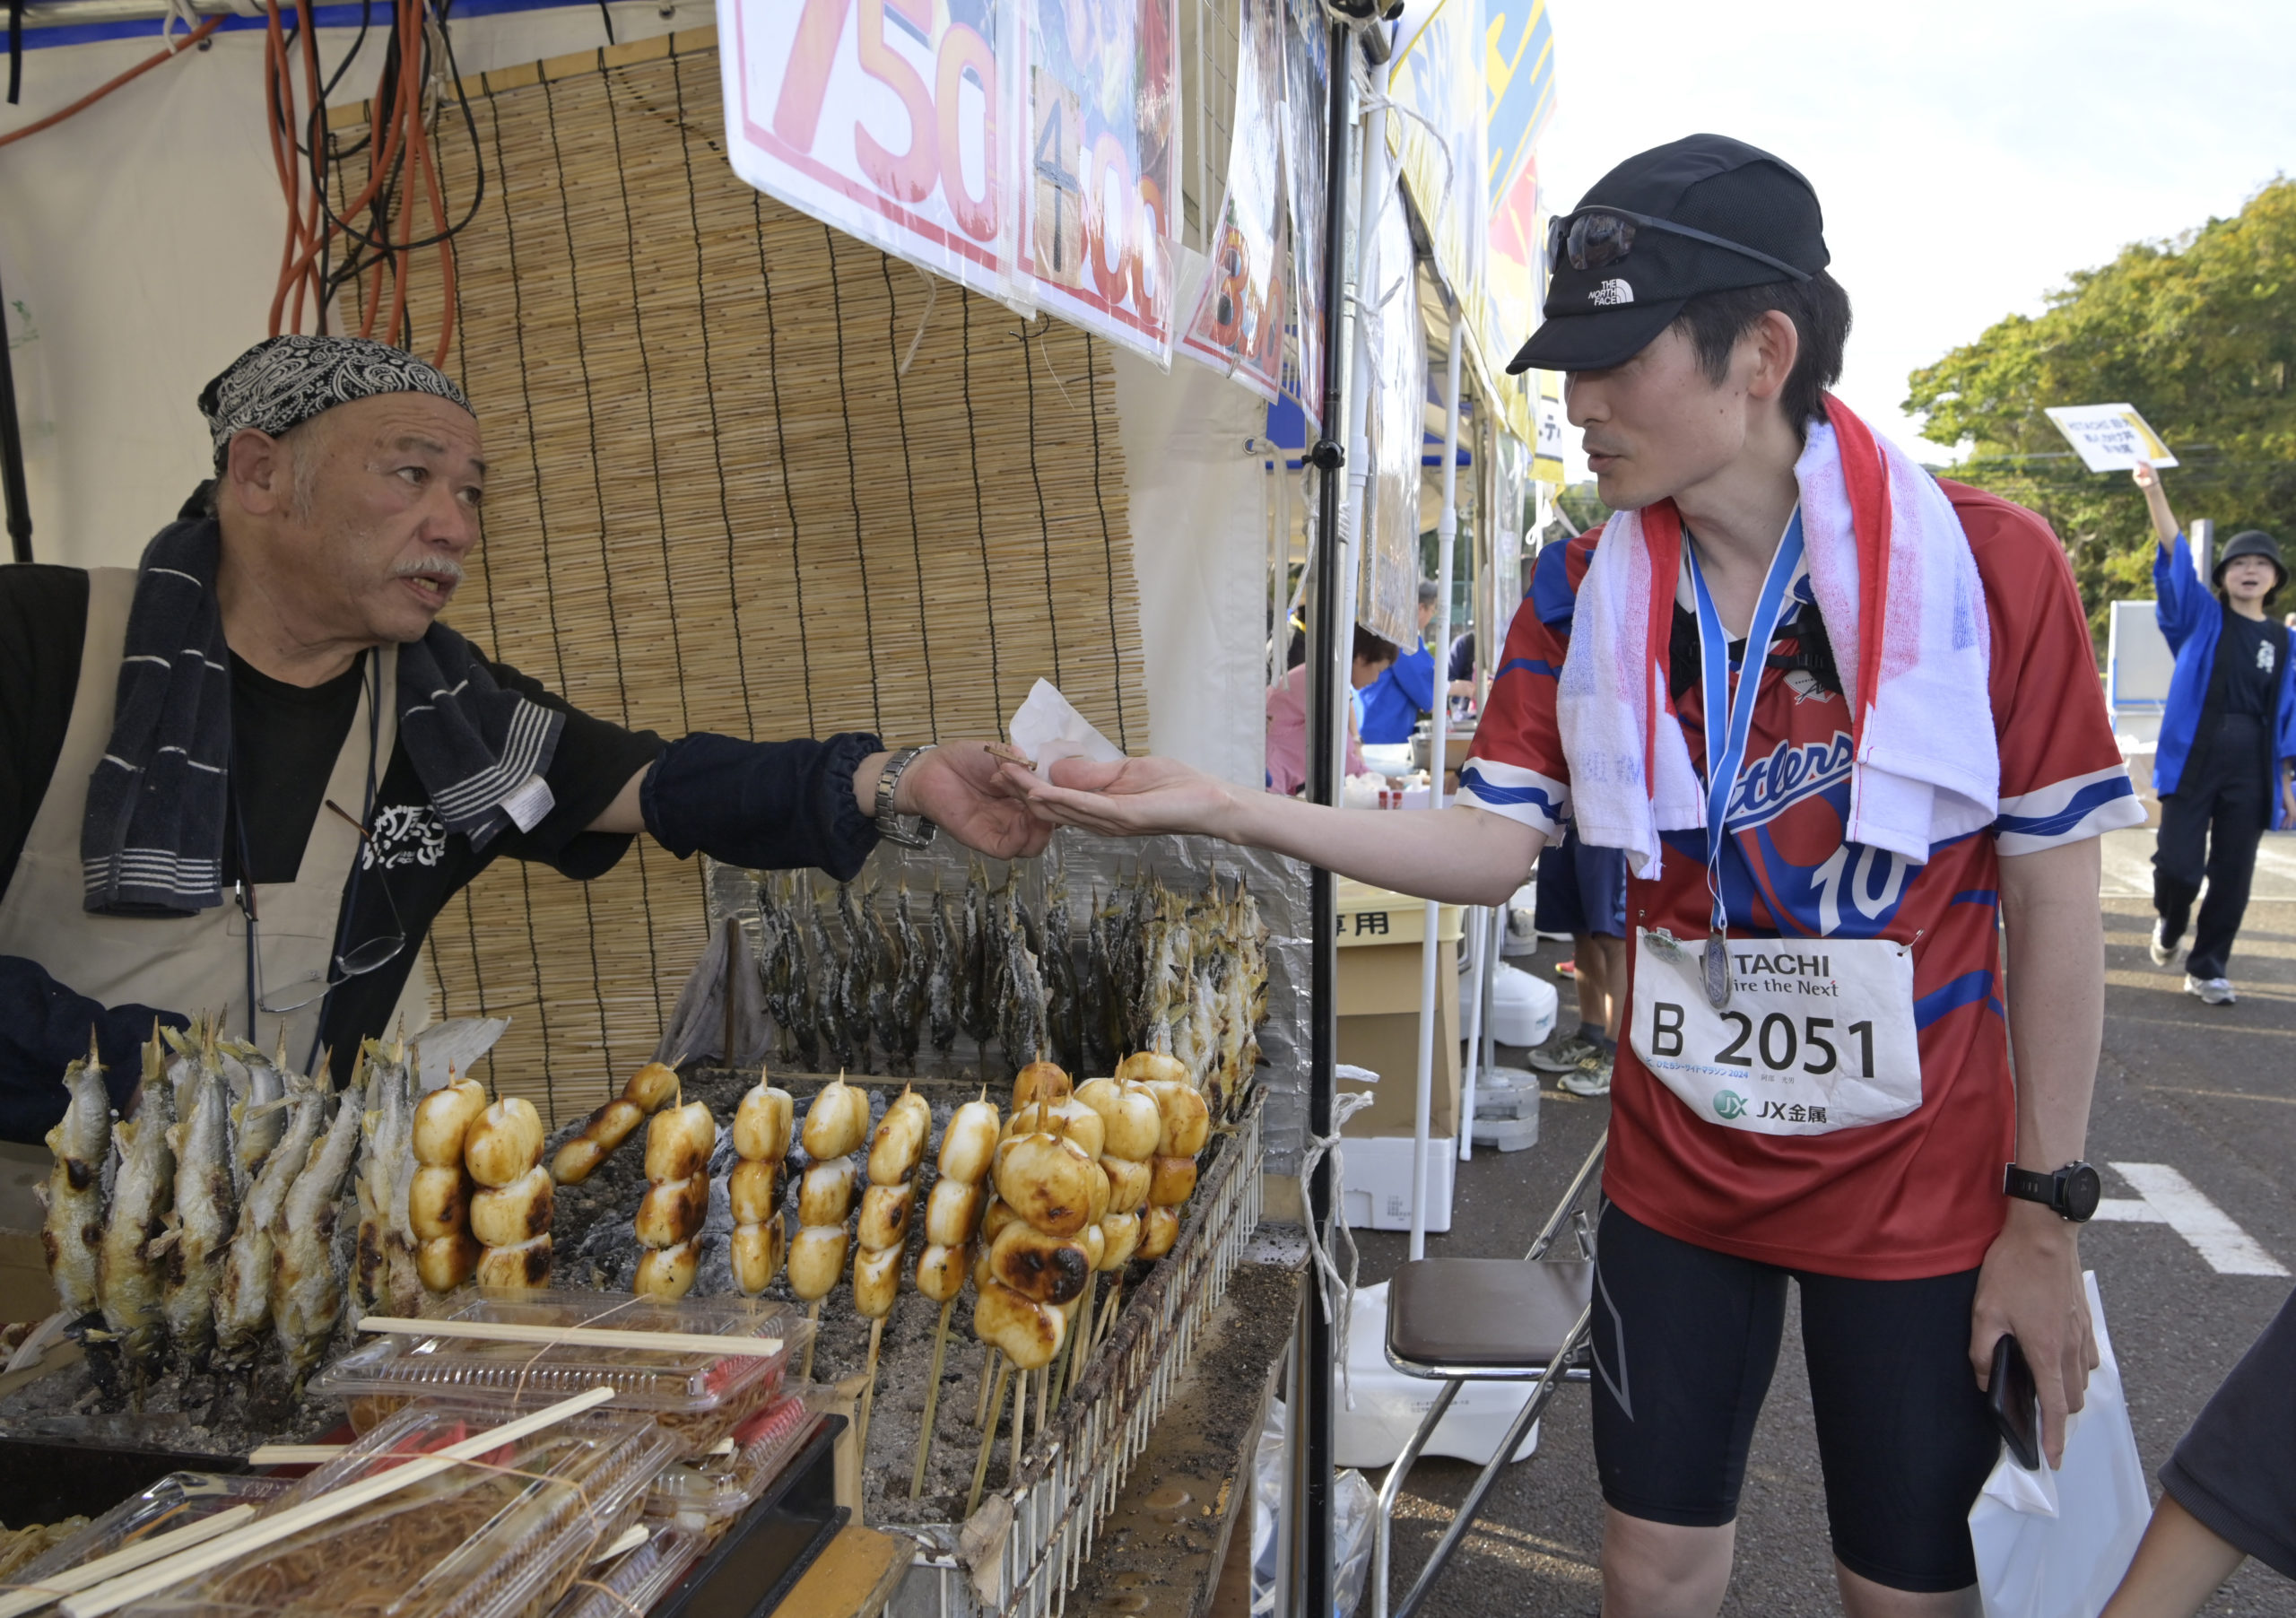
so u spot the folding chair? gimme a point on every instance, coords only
(1487, 1320)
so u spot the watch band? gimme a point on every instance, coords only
(903, 831)
(2030, 1185)
(2071, 1193)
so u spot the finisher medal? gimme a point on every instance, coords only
(1718, 972)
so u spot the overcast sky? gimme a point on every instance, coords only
(1968, 157)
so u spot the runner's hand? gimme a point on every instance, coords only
(2144, 475)
(1133, 798)
(960, 788)
(2029, 1287)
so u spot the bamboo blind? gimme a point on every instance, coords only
(717, 502)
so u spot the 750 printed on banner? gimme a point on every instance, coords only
(893, 120)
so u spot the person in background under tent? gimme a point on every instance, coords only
(244, 777)
(1582, 891)
(1394, 703)
(1287, 715)
(2228, 734)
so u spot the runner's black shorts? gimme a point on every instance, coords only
(1685, 1340)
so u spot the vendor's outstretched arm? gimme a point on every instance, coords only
(1459, 855)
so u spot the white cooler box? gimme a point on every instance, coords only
(1388, 1407)
(1522, 1007)
(1376, 1192)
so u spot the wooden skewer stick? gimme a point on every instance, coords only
(578, 1336)
(126, 1559)
(812, 1318)
(1082, 1328)
(989, 1362)
(988, 1440)
(869, 1392)
(1019, 1429)
(293, 1455)
(932, 1400)
(1108, 1315)
(148, 1580)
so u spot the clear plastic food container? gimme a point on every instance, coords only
(711, 1489)
(176, 1502)
(699, 1396)
(639, 1579)
(501, 1536)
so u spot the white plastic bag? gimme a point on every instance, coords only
(1353, 1503)
(2053, 1544)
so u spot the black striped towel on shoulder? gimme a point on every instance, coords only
(152, 842)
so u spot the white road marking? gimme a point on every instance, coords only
(2170, 1198)
(2127, 1211)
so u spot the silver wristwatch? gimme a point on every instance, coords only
(904, 830)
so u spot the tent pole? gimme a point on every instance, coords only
(1312, 1409)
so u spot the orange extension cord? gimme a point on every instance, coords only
(101, 90)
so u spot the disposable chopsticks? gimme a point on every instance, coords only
(577, 1336)
(126, 1560)
(110, 1597)
(288, 1455)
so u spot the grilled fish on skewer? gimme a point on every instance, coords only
(306, 1293)
(863, 971)
(243, 1297)
(74, 1195)
(941, 986)
(127, 1270)
(382, 1266)
(1064, 1009)
(205, 1207)
(912, 949)
(258, 1117)
(830, 986)
(976, 981)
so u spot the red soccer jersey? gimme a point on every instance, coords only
(1919, 1195)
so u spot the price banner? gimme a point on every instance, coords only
(1102, 158)
(1238, 326)
(893, 120)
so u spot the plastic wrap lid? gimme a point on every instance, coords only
(176, 1502)
(719, 1486)
(665, 1381)
(638, 1579)
(486, 1538)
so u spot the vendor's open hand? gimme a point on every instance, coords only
(960, 786)
(2030, 1287)
(1133, 798)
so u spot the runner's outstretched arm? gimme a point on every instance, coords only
(1458, 855)
(2030, 1282)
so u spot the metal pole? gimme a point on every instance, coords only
(1311, 1408)
(11, 452)
(1378, 188)
(2202, 534)
(1447, 530)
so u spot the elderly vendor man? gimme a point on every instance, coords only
(243, 778)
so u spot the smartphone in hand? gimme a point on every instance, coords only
(2016, 1403)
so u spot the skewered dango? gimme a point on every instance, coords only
(896, 1150)
(445, 1253)
(649, 1090)
(502, 1148)
(836, 1124)
(678, 1144)
(763, 1126)
(952, 1214)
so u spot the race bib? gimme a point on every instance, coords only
(1818, 1035)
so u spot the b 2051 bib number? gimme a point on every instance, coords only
(1771, 1061)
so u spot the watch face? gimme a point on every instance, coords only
(2083, 1189)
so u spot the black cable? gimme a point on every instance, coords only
(607, 17)
(15, 50)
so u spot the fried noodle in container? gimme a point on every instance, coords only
(710, 1491)
(501, 1536)
(634, 1582)
(697, 1397)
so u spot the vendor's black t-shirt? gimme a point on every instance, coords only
(2248, 652)
(286, 740)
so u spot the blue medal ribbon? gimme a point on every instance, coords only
(1726, 745)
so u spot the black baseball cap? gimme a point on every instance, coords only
(1704, 213)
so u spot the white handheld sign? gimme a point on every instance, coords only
(2110, 438)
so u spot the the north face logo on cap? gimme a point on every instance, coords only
(1611, 292)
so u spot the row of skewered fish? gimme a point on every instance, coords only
(1144, 968)
(207, 1223)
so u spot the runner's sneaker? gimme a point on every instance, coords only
(2213, 991)
(1591, 1079)
(1567, 1055)
(2165, 953)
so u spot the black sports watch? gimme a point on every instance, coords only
(2073, 1191)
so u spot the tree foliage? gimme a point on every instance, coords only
(2199, 335)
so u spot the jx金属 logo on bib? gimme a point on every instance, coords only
(1729, 1104)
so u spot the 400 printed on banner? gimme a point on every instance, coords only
(1027, 149)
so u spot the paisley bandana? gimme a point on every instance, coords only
(283, 382)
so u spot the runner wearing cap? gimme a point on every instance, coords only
(2228, 734)
(1815, 1083)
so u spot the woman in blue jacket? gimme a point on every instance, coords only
(2228, 735)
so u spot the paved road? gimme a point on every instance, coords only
(2210, 1093)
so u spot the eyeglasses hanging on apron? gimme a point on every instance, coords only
(344, 964)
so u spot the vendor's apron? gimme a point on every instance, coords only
(192, 964)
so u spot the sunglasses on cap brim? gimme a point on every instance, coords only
(1594, 239)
